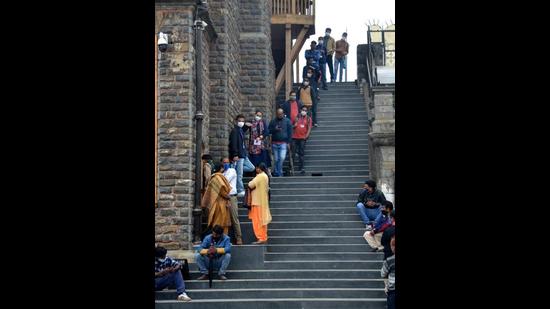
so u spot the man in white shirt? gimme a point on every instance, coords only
(231, 175)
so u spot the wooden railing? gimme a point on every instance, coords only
(293, 7)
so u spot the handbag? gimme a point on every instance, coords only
(184, 269)
(247, 201)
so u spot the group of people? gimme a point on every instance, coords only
(378, 215)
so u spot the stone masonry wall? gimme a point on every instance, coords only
(257, 66)
(225, 69)
(176, 125)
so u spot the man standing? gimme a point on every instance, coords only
(215, 247)
(280, 129)
(322, 62)
(342, 49)
(331, 46)
(168, 274)
(313, 75)
(368, 203)
(231, 175)
(314, 54)
(292, 107)
(300, 133)
(238, 152)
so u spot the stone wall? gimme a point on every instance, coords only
(225, 69)
(257, 66)
(176, 124)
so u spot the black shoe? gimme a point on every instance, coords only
(303, 172)
(203, 277)
(325, 88)
(222, 277)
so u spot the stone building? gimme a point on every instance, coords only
(236, 66)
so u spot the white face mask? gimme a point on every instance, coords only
(320, 43)
(258, 118)
(304, 113)
(343, 38)
(162, 260)
(309, 74)
(327, 33)
(306, 83)
(240, 124)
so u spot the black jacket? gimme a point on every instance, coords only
(237, 148)
(377, 196)
(386, 238)
(280, 130)
(286, 107)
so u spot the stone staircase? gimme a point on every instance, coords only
(316, 256)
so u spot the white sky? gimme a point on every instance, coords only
(353, 15)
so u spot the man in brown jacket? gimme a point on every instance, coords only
(342, 49)
(331, 46)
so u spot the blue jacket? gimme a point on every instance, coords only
(323, 52)
(280, 130)
(223, 243)
(315, 54)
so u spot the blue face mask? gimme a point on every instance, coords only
(226, 166)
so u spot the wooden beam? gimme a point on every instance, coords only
(300, 40)
(297, 70)
(288, 62)
(293, 19)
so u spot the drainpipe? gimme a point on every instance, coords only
(197, 211)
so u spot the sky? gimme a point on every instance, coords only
(352, 15)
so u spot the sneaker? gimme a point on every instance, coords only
(380, 249)
(203, 277)
(315, 125)
(222, 277)
(240, 194)
(368, 227)
(184, 297)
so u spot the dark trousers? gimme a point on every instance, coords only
(299, 148)
(391, 299)
(330, 67)
(170, 280)
(323, 67)
(314, 102)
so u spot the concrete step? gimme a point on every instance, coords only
(317, 232)
(331, 248)
(334, 156)
(312, 264)
(285, 283)
(354, 130)
(301, 190)
(313, 204)
(275, 303)
(339, 137)
(307, 197)
(320, 147)
(297, 274)
(279, 240)
(323, 256)
(357, 223)
(339, 143)
(359, 178)
(351, 209)
(335, 172)
(275, 293)
(312, 216)
(336, 162)
(316, 184)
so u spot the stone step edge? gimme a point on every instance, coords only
(286, 280)
(238, 300)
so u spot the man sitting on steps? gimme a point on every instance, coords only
(168, 274)
(368, 203)
(382, 222)
(216, 247)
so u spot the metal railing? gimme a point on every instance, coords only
(293, 7)
(372, 77)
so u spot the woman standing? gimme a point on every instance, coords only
(216, 200)
(257, 144)
(259, 212)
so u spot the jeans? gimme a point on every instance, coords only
(391, 300)
(279, 155)
(323, 68)
(247, 166)
(171, 280)
(339, 62)
(368, 215)
(330, 68)
(299, 149)
(221, 263)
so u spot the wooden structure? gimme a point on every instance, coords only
(290, 20)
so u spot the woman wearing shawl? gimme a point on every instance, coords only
(257, 143)
(216, 200)
(259, 212)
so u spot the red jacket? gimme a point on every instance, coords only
(303, 124)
